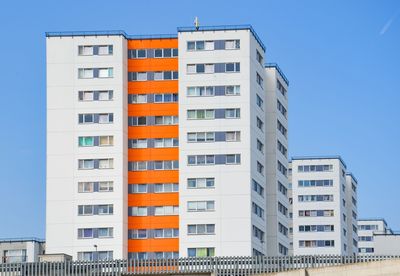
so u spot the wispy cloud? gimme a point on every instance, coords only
(389, 23)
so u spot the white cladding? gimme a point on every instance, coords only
(337, 209)
(368, 229)
(232, 194)
(63, 152)
(277, 241)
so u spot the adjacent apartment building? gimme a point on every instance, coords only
(324, 206)
(165, 146)
(367, 229)
(21, 250)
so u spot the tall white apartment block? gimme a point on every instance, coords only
(276, 160)
(324, 207)
(367, 228)
(165, 146)
(86, 98)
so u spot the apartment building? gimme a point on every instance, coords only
(324, 206)
(165, 146)
(21, 250)
(367, 230)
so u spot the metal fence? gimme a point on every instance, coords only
(218, 266)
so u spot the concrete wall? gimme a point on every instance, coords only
(387, 268)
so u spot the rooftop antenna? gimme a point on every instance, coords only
(196, 23)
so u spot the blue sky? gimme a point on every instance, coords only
(341, 58)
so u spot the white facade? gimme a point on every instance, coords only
(321, 207)
(367, 229)
(232, 194)
(65, 79)
(276, 161)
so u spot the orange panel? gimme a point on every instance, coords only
(153, 222)
(153, 177)
(153, 43)
(144, 87)
(153, 154)
(152, 199)
(152, 64)
(139, 132)
(153, 245)
(165, 109)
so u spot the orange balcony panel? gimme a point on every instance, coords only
(152, 64)
(153, 43)
(144, 87)
(151, 109)
(153, 245)
(158, 199)
(153, 222)
(153, 154)
(153, 177)
(139, 132)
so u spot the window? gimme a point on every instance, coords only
(166, 120)
(165, 142)
(90, 233)
(201, 252)
(282, 229)
(316, 213)
(105, 50)
(106, 95)
(86, 50)
(201, 114)
(232, 136)
(106, 140)
(166, 210)
(165, 165)
(153, 165)
(260, 146)
(166, 187)
(201, 159)
(257, 233)
(316, 243)
(260, 168)
(106, 72)
(201, 136)
(166, 233)
(86, 164)
(201, 206)
(316, 228)
(232, 44)
(95, 256)
(86, 141)
(232, 90)
(106, 163)
(282, 188)
(200, 91)
(259, 102)
(259, 58)
(138, 211)
(283, 250)
(232, 113)
(102, 118)
(200, 183)
(282, 148)
(137, 143)
(257, 188)
(259, 80)
(153, 76)
(316, 183)
(104, 209)
(282, 209)
(213, 68)
(282, 168)
(257, 210)
(281, 128)
(260, 124)
(90, 187)
(281, 88)
(138, 188)
(281, 108)
(201, 229)
(315, 168)
(165, 98)
(84, 73)
(310, 198)
(137, 234)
